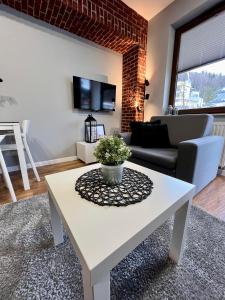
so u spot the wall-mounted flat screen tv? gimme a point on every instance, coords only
(93, 95)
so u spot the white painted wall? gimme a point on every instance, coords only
(148, 8)
(160, 49)
(37, 65)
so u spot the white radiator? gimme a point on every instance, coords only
(219, 129)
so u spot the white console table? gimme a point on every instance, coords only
(85, 151)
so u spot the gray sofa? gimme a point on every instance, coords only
(194, 155)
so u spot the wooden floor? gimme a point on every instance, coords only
(36, 187)
(211, 199)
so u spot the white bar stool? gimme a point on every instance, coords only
(12, 147)
(6, 174)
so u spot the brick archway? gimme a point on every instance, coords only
(109, 23)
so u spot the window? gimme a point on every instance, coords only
(198, 73)
(201, 87)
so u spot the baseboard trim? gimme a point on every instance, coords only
(45, 163)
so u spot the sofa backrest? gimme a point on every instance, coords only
(186, 127)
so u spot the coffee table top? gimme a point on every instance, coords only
(98, 232)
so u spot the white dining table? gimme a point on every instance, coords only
(14, 127)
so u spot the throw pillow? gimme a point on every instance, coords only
(155, 136)
(136, 131)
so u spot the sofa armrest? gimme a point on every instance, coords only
(198, 160)
(126, 137)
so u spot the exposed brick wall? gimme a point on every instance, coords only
(133, 86)
(110, 23)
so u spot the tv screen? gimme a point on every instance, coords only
(93, 95)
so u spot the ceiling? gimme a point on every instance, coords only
(148, 8)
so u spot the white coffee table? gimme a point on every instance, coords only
(102, 236)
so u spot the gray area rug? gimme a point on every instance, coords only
(32, 268)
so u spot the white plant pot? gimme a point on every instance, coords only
(112, 175)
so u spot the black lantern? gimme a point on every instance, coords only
(90, 129)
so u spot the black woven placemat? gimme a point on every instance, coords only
(135, 187)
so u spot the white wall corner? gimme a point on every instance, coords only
(168, 72)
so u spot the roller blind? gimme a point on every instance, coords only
(203, 44)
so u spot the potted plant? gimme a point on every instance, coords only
(111, 152)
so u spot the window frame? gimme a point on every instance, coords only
(174, 74)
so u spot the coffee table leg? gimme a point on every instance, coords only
(57, 228)
(99, 291)
(179, 232)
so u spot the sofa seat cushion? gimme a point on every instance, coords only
(164, 157)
